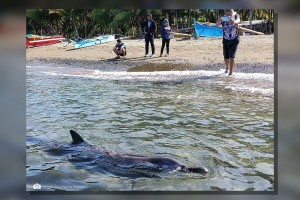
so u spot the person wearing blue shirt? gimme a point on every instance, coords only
(165, 35)
(120, 49)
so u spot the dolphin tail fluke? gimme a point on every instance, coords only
(76, 137)
(201, 170)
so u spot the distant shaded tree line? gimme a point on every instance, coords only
(86, 23)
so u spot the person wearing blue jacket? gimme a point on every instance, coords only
(149, 28)
(165, 34)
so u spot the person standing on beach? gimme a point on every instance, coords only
(230, 37)
(165, 35)
(149, 28)
(120, 49)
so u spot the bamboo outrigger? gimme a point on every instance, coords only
(250, 31)
(181, 34)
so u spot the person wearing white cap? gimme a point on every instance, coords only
(231, 38)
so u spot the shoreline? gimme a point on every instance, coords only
(123, 65)
(255, 54)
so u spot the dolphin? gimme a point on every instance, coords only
(97, 159)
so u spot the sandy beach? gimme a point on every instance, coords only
(255, 54)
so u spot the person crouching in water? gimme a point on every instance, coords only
(120, 49)
(165, 35)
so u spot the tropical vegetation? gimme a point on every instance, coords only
(86, 23)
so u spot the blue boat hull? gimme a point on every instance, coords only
(203, 30)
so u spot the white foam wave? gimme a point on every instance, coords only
(149, 76)
(154, 76)
(244, 88)
(254, 76)
(238, 82)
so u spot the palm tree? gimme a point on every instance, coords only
(67, 15)
(38, 17)
(103, 19)
(132, 18)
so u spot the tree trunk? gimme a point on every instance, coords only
(85, 26)
(176, 20)
(140, 29)
(250, 17)
(133, 32)
(34, 31)
(75, 27)
(190, 20)
(172, 18)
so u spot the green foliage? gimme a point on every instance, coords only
(201, 19)
(90, 22)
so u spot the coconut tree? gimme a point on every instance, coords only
(67, 15)
(132, 18)
(85, 15)
(38, 18)
(211, 15)
(30, 26)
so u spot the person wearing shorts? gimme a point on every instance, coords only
(231, 38)
(120, 49)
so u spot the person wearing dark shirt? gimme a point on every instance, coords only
(165, 35)
(231, 39)
(120, 49)
(149, 29)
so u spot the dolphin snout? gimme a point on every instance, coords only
(201, 170)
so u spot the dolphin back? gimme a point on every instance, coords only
(77, 139)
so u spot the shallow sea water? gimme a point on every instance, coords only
(201, 118)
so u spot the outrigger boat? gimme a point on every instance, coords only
(204, 30)
(36, 40)
(81, 43)
(210, 30)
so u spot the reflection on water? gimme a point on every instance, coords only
(199, 118)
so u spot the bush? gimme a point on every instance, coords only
(201, 19)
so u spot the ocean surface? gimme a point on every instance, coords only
(200, 118)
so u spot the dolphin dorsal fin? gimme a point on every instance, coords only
(76, 137)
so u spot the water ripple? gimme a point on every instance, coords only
(223, 124)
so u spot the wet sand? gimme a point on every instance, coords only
(255, 54)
